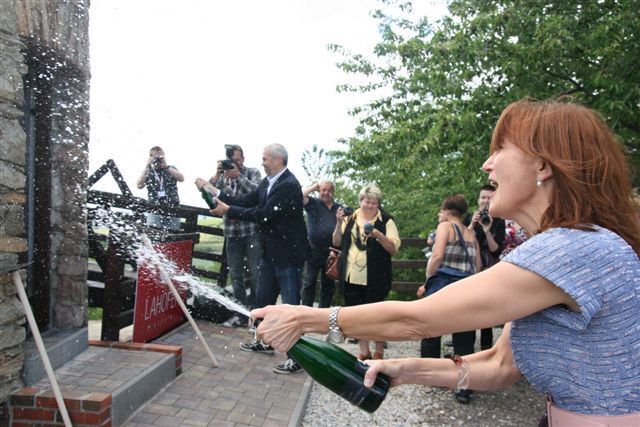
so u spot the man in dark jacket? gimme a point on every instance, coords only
(490, 233)
(276, 206)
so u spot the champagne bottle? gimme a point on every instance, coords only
(208, 197)
(340, 372)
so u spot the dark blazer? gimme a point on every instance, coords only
(279, 216)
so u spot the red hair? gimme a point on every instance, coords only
(590, 169)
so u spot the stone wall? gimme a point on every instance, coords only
(52, 34)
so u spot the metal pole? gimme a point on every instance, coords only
(167, 281)
(41, 349)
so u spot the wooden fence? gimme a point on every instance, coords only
(111, 284)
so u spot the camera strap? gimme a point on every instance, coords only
(160, 181)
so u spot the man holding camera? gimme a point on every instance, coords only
(321, 221)
(161, 181)
(241, 237)
(490, 233)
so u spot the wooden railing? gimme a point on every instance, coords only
(406, 264)
(111, 285)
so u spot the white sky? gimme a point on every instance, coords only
(193, 75)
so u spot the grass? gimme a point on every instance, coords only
(95, 313)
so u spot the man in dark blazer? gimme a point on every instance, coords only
(276, 206)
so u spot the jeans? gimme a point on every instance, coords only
(327, 286)
(274, 280)
(462, 341)
(237, 249)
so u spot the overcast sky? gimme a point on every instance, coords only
(193, 75)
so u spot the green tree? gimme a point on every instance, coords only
(316, 163)
(443, 85)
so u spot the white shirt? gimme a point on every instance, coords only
(272, 179)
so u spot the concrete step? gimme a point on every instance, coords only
(102, 385)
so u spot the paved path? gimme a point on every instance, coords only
(241, 391)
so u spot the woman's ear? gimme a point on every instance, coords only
(544, 171)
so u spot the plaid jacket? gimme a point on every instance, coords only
(248, 181)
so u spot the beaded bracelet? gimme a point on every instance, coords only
(463, 373)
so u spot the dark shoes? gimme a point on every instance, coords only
(289, 366)
(256, 347)
(463, 396)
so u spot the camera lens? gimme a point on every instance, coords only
(348, 211)
(484, 216)
(368, 228)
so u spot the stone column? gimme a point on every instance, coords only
(12, 199)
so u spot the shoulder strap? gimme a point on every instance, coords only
(464, 246)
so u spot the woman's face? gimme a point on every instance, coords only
(443, 215)
(369, 205)
(514, 174)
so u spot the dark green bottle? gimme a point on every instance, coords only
(208, 197)
(339, 371)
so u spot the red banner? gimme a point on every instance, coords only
(156, 309)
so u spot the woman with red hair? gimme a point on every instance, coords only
(569, 295)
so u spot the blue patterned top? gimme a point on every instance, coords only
(588, 362)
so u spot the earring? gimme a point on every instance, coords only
(538, 183)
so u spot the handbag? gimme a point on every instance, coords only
(332, 266)
(447, 275)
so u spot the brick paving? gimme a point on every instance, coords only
(241, 391)
(98, 369)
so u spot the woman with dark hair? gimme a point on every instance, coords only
(571, 291)
(456, 254)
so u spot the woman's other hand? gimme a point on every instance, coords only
(393, 368)
(421, 290)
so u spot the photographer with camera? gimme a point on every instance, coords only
(161, 181)
(368, 238)
(241, 237)
(321, 221)
(490, 232)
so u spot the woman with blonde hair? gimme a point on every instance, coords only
(571, 291)
(368, 239)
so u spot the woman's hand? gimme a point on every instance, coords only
(393, 368)
(280, 327)
(421, 290)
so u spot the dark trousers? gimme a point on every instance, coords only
(462, 345)
(486, 338)
(315, 265)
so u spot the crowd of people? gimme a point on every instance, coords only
(550, 255)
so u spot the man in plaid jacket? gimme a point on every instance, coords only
(242, 239)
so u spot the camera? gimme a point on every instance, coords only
(227, 164)
(348, 211)
(368, 228)
(157, 161)
(485, 218)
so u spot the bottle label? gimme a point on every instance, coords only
(354, 391)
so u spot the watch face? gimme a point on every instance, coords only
(335, 336)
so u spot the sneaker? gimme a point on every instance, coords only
(256, 347)
(289, 366)
(463, 396)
